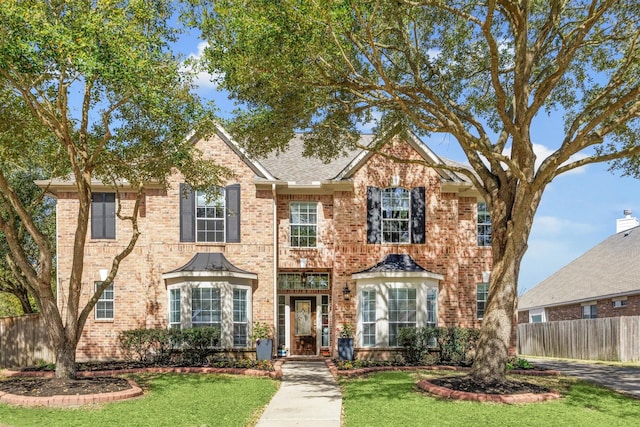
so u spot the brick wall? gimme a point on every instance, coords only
(605, 308)
(140, 293)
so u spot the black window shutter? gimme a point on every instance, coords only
(232, 193)
(418, 215)
(187, 214)
(374, 222)
(97, 216)
(109, 215)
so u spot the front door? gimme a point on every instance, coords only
(303, 326)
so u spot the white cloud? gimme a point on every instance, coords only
(544, 226)
(542, 152)
(202, 79)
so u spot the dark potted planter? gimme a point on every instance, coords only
(345, 348)
(345, 342)
(264, 348)
(264, 341)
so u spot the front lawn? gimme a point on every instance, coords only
(173, 400)
(392, 399)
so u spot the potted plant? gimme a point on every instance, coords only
(345, 341)
(263, 338)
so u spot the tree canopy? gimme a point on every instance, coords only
(107, 101)
(483, 72)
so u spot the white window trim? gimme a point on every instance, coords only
(537, 312)
(101, 299)
(381, 287)
(383, 220)
(485, 300)
(292, 224)
(222, 198)
(226, 304)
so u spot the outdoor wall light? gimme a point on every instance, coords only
(346, 293)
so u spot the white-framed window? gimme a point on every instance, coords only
(432, 307)
(205, 307)
(589, 311)
(537, 315)
(619, 302)
(104, 308)
(384, 308)
(303, 220)
(396, 215)
(220, 304)
(368, 310)
(210, 216)
(484, 225)
(240, 318)
(324, 306)
(402, 311)
(174, 308)
(482, 290)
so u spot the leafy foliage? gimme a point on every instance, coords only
(485, 73)
(429, 345)
(108, 102)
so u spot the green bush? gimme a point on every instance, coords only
(157, 345)
(136, 344)
(457, 345)
(454, 345)
(417, 342)
(197, 343)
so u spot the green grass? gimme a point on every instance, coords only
(174, 400)
(392, 399)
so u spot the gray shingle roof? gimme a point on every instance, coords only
(608, 269)
(292, 166)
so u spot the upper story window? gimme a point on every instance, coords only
(484, 225)
(303, 219)
(210, 218)
(103, 215)
(104, 305)
(482, 290)
(395, 215)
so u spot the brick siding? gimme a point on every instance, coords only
(140, 292)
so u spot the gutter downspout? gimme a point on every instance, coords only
(275, 265)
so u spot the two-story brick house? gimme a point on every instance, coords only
(291, 241)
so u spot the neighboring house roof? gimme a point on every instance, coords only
(209, 264)
(609, 269)
(393, 264)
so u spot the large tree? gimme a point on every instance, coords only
(96, 79)
(484, 72)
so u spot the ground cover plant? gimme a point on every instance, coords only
(397, 401)
(170, 400)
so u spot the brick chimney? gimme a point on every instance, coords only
(626, 223)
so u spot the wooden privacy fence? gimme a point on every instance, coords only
(24, 341)
(609, 338)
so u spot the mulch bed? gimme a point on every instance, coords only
(468, 384)
(46, 387)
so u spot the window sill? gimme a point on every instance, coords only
(103, 320)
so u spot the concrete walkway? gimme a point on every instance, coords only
(308, 395)
(623, 379)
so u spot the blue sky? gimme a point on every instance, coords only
(578, 210)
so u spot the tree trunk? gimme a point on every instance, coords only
(513, 216)
(497, 325)
(23, 297)
(66, 360)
